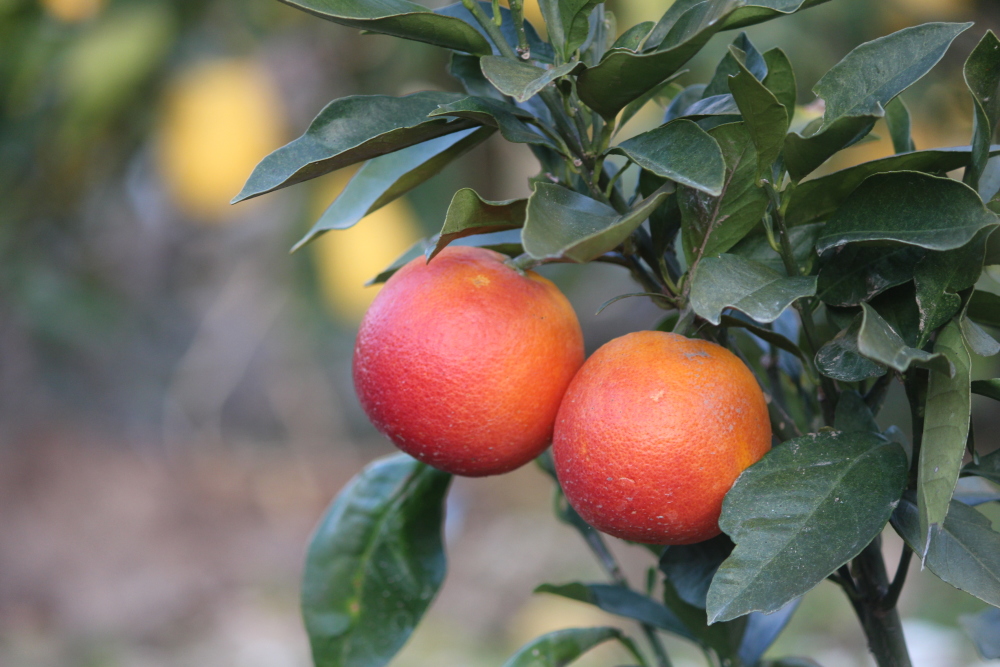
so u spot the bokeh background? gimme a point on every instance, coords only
(175, 400)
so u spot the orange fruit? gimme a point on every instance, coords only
(462, 362)
(652, 433)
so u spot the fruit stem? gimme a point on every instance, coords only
(491, 28)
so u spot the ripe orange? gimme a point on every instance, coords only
(652, 433)
(462, 362)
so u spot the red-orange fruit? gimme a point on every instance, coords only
(652, 433)
(463, 362)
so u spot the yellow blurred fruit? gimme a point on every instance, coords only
(933, 9)
(347, 259)
(72, 11)
(219, 119)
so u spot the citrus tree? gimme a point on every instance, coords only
(830, 288)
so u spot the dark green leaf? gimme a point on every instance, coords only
(729, 281)
(560, 648)
(567, 23)
(819, 198)
(868, 77)
(685, 99)
(940, 276)
(762, 630)
(621, 601)
(974, 491)
(375, 563)
(841, 358)
(987, 388)
(399, 18)
(562, 224)
(470, 214)
(856, 273)
(757, 248)
(780, 79)
(662, 93)
(717, 105)
(982, 75)
(466, 69)
(909, 207)
(853, 414)
(766, 119)
(965, 552)
(540, 49)
(809, 506)
(984, 628)
(979, 341)
(383, 179)
(680, 151)
(713, 225)
(721, 638)
(897, 117)
(751, 60)
(878, 341)
(349, 130)
(804, 153)
(789, 662)
(508, 118)
(984, 307)
(690, 568)
(519, 79)
(758, 11)
(623, 75)
(946, 430)
(633, 37)
(988, 467)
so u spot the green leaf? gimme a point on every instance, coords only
(856, 273)
(988, 467)
(399, 18)
(375, 563)
(841, 357)
(621, 601)
(780, 79)
(470, 214)
(806, 508)
(984, 628)
(819, 198)
(387, 177)
(805, 153)
(562, 647)
(984, 308)
(767, 335)
(987, 388)
(758, 11)
(757, 248)
(974, 491)
(349, 130)
(982, 76)
(466, 69)
(940, 276)
(495, 113)
(662, 93)
(980, 342)
(633, 37)
(946, 430)
(680, 151)
(745, 57)
(690, 568)
(853, 414)
(723, 639)
(789, 662)
(766, 119)
(717, 105)
(541, 51)
(567, 22)
(729, 281)
(562, 224)
(897, 117)
(623, 75)
(762, 630)
(878, 341)
(713, 225)
(519, 79)
(964, 553)
(909, 207)
(868, 77)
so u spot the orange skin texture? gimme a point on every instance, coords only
(463, 362)
(652, 433)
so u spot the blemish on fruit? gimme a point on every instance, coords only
(480, 280)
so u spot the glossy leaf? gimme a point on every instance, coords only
(984, 307)
(868, 77)
(982, 76)
(519, 79)
(984, 628)
(690, 567)
(562, 647)
(733, 62)
(809, 506)
(780, 79)
(495, 113)
(376, 555)
(841, 357)
(717, 105)
(988, 467)
(563, 224)
(729, 281)
(940, 276)
(819, 198)
(758, 11)
(964, 553)
(713, 225)
(680, 151)
(385, 178)
(908, 207)
(621, 601)
(974, 491)
(979, 341)
(757, 248)
(946, 430)
(466, 69)
(469, 214)
(897, 117)
(349, 130)
(632, 38)
(567, 23)
(765, 118)
(878, 341)
(805, 153)
(856, 273)
(399, 18)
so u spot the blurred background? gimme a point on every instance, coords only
(176, 406)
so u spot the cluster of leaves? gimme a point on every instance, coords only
(830, 287)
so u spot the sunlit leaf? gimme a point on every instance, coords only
(680, 151)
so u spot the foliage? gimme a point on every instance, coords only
(721, 217)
